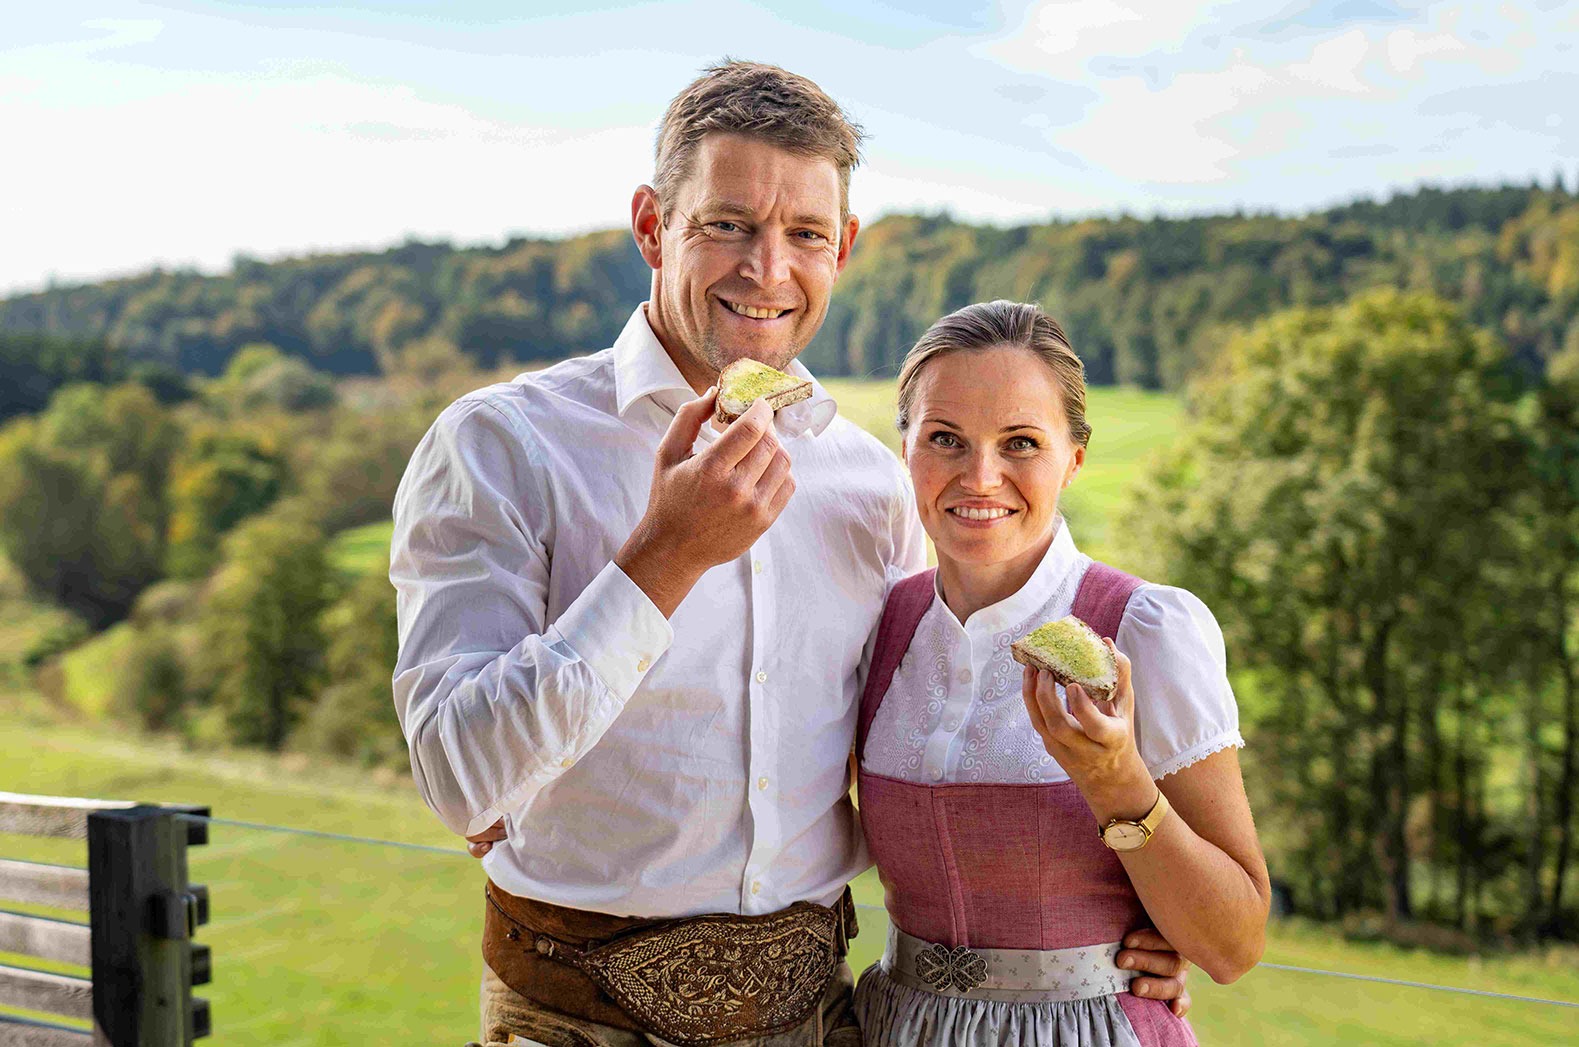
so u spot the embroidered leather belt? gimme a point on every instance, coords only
(707, 979)
(1008, 975)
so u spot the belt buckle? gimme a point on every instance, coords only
(959, 967)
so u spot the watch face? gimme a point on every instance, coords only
(1125, 836)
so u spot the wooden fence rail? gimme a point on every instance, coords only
(137, 943)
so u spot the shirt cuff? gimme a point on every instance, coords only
(616, 630)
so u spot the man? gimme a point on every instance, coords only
(631, 644)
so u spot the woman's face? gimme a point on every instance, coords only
(989, 451)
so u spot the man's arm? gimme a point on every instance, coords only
(1161, 971)
(495, 701)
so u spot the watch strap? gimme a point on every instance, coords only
(1148, 824)
(1159, 811)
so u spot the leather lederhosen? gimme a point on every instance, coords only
(693, 981)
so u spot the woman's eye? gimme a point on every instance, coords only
(945, 439)
(1022, 443)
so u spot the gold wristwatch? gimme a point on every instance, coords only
(1121, 834)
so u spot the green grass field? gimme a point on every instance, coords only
(323, 942)
(319, 941)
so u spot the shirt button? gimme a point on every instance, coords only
(937, 775)
(762, 783)
(643, 665)
(952, 725)
(756, 886)
(756, 565)
(963, 676)
(762, 677)
(566, 762)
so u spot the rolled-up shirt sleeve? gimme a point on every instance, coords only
(496, 701)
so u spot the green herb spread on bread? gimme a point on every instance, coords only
(744, 382)
(1072, 652)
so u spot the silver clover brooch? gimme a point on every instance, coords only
(941, 966)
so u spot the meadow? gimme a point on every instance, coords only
(317, 941)
(322, 941)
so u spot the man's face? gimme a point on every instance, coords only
(747, 260)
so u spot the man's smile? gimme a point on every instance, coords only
(754, 312)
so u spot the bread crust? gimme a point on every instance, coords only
(783, 398)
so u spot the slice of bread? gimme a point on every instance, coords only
(745, 381)
(1073, 652)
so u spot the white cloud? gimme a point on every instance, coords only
(1405, 48)
(1336, 63)
(1084, 29)
(1166, 134)
(119, 32)
(1060, 25)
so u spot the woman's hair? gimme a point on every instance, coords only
(987, 325)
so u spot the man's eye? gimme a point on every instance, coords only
(726, 227)
(812, 235)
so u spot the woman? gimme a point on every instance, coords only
(980, 795)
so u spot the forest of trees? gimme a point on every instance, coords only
(1146, 302)
(201, 523)
(1377, 491)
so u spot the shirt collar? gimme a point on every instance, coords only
(643, 369)
(1011, 612)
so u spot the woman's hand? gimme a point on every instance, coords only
(1094, 740)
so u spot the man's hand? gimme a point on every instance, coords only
(483, 842)
(706, 509)
(1165, 971)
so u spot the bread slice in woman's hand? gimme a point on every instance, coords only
(1073, 652)
(746, 381)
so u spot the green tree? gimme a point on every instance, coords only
(222, 477)
(34, 365)
(262, 646)
(1555, 600)
(82, 497)
(153, 690)
(355, 716)
(1342, 499)
(348, 469)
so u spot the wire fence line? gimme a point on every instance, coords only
(460, 852)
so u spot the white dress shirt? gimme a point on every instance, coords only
(955, 710)
(642, 767)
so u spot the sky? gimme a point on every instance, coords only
(183, 134)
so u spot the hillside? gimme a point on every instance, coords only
(1145, 301)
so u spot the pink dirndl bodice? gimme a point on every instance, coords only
(1000, 866)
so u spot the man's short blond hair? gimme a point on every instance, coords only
(758, 101)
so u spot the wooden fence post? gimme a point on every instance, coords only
(143, 915)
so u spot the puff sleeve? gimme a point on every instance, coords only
(1184, 705)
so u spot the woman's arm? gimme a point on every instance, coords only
(1201, 876)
